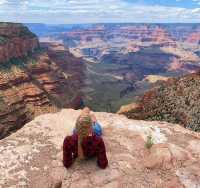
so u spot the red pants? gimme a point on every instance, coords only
(93, 146)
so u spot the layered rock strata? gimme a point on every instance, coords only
(34, 80)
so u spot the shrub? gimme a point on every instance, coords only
(149, 142)
(3, 40)
(2, 103)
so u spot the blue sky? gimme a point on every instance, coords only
(93, 11)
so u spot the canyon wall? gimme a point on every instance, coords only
(34, 80)
(175, 101)
(164, 34)
(16, 41)
(142, 33)
(194, 37)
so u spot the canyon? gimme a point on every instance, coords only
(103, 66)
(34, 78)
(120, 58)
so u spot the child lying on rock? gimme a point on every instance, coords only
(84, 144)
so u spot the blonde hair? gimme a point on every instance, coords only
(84, 129)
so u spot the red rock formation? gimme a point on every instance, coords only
(41, 87)
(194, 38)
(162, 37)
(39, 83)
(16, 41)
(141, 33)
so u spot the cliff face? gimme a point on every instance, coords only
(32, 157)
(143, 33)
(32, 81)
(176, 101)
(194, 37)
(16, 41)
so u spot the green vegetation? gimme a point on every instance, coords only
(6, 67)
(18, 63)
(22, 31)
(177, 102)
(38, 50)
(3, 40)
(103, 67)
(2, 102)
(104, 90)
(33, 62)
(149, 142)
(25, 32)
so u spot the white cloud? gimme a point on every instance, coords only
(78, 11)
(197, 1)
(3, 2)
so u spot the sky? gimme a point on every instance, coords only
(99, 11)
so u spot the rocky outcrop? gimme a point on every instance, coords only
(34, 80)
(32, 157)
(176, 101)
(16, 41)
(194, 38)
(39, 85)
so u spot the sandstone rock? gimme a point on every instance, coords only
(127, 108)
(194, 146)
(33, 156)
(166, 156)
(189, 176)
(160, 157)
(174, 183)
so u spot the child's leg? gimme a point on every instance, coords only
(69, 153)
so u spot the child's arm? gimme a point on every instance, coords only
(97, 129)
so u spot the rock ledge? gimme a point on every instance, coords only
(32, 157)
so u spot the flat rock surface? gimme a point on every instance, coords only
(32, 157)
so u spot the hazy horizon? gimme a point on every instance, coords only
(85, 23)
